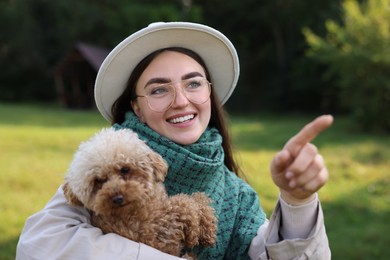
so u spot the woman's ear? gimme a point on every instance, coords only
(137, 110)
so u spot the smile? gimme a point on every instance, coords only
(181, 119)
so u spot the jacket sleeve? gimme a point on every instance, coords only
(61, 231)
(293, 232)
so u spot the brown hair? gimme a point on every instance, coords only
(218, 117)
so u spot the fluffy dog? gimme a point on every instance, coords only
(119, 179)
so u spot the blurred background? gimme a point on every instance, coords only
(298, 59)
(308, 56)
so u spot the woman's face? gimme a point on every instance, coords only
(185, 121)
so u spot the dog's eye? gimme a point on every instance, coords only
(125, 170)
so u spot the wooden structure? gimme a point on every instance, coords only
(75, 75)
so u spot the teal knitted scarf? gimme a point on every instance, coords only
(200, 167)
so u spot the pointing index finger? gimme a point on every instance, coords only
(308, 133)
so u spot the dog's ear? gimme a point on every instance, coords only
(70, 196)
(160, 167)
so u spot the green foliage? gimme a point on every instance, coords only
(358, 55)
(267, 34)
(38, 143)
(351, 48)
(37, 34)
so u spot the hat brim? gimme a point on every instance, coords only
(215, 49)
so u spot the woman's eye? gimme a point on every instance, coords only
(193, 84)
(161, 90)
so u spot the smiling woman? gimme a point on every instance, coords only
(157, 82)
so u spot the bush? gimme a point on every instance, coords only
(357, 54)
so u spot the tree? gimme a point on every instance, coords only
(268, 37)
(357, 54)
(36, 34)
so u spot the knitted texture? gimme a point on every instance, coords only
(200, 167)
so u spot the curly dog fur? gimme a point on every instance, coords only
(119, 179)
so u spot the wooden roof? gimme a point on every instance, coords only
(92, 54)
(75, 74)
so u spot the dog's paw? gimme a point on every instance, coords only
(208, 231)
(208, 220)
(189, 256)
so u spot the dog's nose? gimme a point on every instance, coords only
(118, 199)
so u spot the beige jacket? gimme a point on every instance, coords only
(63, 232)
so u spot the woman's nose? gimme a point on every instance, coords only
(180, 98)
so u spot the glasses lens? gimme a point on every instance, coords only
(160, 97)
(197, 90)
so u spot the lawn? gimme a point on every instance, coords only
(37, 143)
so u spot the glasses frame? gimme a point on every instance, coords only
(209, 84)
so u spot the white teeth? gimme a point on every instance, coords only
(181, 119)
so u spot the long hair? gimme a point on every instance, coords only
(218, 114)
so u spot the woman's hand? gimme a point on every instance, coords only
(299, 170)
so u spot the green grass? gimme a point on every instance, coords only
(37, 144)
(356, 200)
(36, 147)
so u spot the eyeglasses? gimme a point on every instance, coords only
(160, 97)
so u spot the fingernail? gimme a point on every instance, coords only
(289, 175)
(292, 184)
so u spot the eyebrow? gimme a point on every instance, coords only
(192, 75)
(167, 80)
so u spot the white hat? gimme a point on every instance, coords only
(215, 49)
